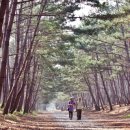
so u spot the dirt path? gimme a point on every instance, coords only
(92, 121)
(59, 121)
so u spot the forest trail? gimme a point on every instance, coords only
(59, 121)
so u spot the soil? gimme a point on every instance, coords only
(58, 120)
(118, 118)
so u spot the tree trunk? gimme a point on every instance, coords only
(108, 97)
(6, 46)
(97, 108)
(4, 5)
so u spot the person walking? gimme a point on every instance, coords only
(79, 107)
(71, 105)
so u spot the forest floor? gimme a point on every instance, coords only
(119, 119)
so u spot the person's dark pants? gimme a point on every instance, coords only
(70, 115)
(79, 112)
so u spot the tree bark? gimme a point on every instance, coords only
(97, 108)
(4, 5)
(6, 47)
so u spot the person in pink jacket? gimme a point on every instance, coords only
(71, 105)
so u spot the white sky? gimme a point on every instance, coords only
(85, 10)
